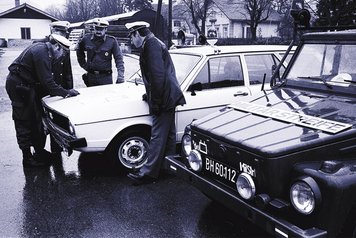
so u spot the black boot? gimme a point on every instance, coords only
(29, 161)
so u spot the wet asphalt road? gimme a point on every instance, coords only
(81, 196)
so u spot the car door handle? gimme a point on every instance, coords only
(240, 94)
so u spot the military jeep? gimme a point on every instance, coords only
(285, 159)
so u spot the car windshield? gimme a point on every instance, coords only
(329, 64)
(131, 65)
(183, 63)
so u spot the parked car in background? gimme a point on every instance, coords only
(115, 120)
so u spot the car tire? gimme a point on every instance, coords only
(129, 150)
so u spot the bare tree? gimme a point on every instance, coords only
(198, 10)
(257, 11)
(83, 10)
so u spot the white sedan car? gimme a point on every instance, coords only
(113, 118)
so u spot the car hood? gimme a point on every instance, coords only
(283, 121)
(101, 103)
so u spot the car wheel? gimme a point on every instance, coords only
(130, 150)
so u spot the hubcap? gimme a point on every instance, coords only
(133, 152)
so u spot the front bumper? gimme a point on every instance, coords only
(271, 224)
(64, 139)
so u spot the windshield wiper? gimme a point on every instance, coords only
(317, 78)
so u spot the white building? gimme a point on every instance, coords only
(229, 19)
(24, 22)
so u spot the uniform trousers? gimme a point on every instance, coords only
(162, 143)
(27, 114)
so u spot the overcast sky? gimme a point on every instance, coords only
(40, 4)
(43, 4)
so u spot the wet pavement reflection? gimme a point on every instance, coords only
(96, 200)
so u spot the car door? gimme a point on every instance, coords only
(219, 82)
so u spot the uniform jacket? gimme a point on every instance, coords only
(162, 88)
(99, 54)
(62, 70)
(34, 67)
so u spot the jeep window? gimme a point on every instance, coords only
(220, 72)
(331, 63)
(258, 65)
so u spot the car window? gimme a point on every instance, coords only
(258, 65)
(184, 64)
(131, 66)
(289, 56)
(220, 72)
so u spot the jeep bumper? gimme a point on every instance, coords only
(271, 224)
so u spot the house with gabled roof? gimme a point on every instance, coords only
(231, 21)
(229, 18)
(24, 22)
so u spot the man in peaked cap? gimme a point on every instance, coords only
(60, 27)
(62, 69)
(163, 94)
(100, 48)
(30, 78)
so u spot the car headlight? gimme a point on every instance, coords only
(195, 160)
(71, 129)
(186, 144)
(305, 195)
(245, 186)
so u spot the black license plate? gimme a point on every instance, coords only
(220, 170)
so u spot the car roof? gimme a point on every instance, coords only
(212, 50)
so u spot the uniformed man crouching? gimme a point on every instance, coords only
(30, 78)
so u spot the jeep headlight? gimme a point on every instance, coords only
(195, 160)
(186, 144)
(305, 195)
(245, 186)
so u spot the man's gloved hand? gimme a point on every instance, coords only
(144, 97)
(72, 93)
(120, 80)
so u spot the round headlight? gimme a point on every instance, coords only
(186, 144)
(304, 195)
(195, 160)
(245, 186)
(71, 129)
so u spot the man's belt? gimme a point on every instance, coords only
(100, 71)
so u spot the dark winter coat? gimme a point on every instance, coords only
(158, 72)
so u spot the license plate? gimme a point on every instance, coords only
(220, 170)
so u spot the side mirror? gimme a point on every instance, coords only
(195, 87)
(274, 68)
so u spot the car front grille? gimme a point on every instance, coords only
(57, 119)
